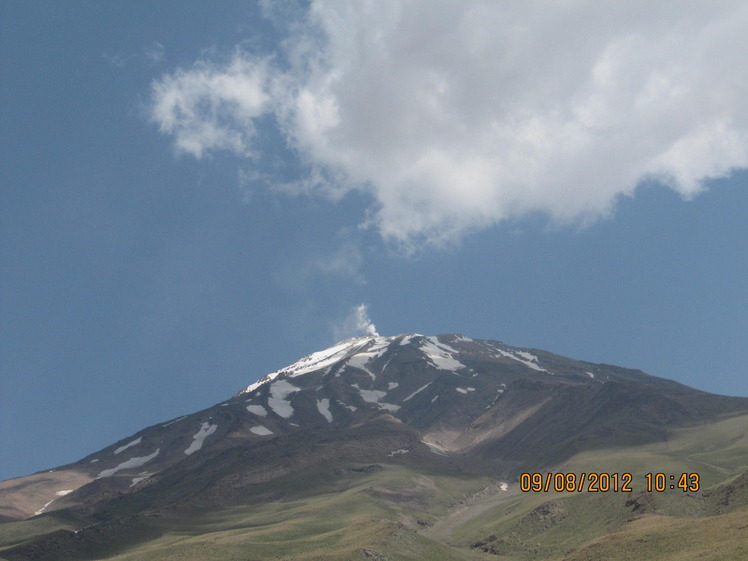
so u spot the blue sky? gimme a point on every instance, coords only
(194, 194)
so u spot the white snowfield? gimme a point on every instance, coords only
(463, 339)
(389, 406)
(58, 494)
(126, 446)
(419, 390)
(528, 359)
(376, 349)
(440, 354)
(41, 510)
(465, 390)
(261, 431)
(360, 361)
(257, 410)
(129, 464)
(323, 406)
(373, 396)
(279, 391)
(370, 396)
(314, 361)
(348, 349)
(408, 338)
(206, 429)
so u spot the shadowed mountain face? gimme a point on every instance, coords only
(447, 404)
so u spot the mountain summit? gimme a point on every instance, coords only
(445, 404)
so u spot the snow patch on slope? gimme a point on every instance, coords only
(375, 350)
(360, 361)
(463, 339)
(419, 390)
(373, 396)
(323, 406)
(389, 406)
(261, 431)
(130, 444)
(206, 429)
(279, 391)
(440, 354)
(129, 464)
(41, 510)
(408, 338)
(257, 410)
(370, 396)
(528, 359)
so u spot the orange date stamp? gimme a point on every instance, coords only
(604, 482)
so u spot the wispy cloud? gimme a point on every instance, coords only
(356, 324)
(457, 115)
(118, 61)
(344, 261)
(154, 52)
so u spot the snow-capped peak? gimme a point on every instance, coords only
(324, 359)
(443, 352)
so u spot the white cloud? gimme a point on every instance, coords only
(456, 115)
(212, 107)
(356, 324)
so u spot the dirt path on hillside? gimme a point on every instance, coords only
(468, 508)
(720, 469)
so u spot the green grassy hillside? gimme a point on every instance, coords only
(653, 525)
(394, 511)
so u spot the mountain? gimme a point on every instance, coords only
(405, 447)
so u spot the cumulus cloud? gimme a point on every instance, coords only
(356, 324)
(212, 107)
(456, 115)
